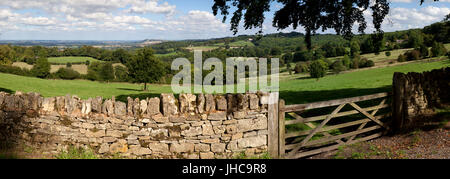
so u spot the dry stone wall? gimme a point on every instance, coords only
(200, 126)
(417, 94)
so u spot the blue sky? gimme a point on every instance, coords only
(160, 19)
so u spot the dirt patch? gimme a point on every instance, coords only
(418, 144)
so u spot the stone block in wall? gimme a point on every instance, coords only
(136, 107)
(120, 146)
(95, 133)
(188, 103)
(104, 148)
(182, 147)
(86, 106)
(60, 104)
(253, 101)
(130, 104)
(232, 102)
(169, 104)
(219, 130)
(192, 131)
(143, 106)
(177, 119)
(202, 147)
(221, 103)
(207, 130)
(218, 147)
(97, 104)
(245, 125)
(218, 116)
(158, 147)
(160, 119)
(200, 103)
(108, 108)
(242, 102)
(120, 108)
(210, 103)
(34, 100)
(139, 151)
(206, 155)
(255, 141)
(153, 107)
(2, 98)
(48, 104)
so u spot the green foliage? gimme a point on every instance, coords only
(354, 48)
(67, 74)
(121, 73)
(438, 49)
(424, 51)
(415, 39)
(301, 67)
(287, 58)
(338, 67)
(275, 51)
(145, 68)
(15, 70)
(106, 72)
(76, 153)
(401, 58)
(346, 61)
(6, 55)
(69, 65)
(318, 69)
(29, 57)
(42, 68)
(355, 62)
(303, 56)
(388, 54)
(412, 55)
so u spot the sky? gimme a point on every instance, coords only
(163, 19)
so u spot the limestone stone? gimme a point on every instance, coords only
(143, 106)
(114, 133)
(182, 147)
(192, 131)
(108, 108)
(120, 108)
(221, 102)
(104, 148)
(200, 103)
(188, 103)
(97, 104)
(118, 147)
(218, 116)
(218, 147)
(136, 107)
(130, 104)
(219, 129)
(254, 101)
(202, 147)
(245, 125)
(177, 119)
(95, 134)
(48, 105)
(160, 119)
(206, 155)
(169, 105)
(210, 141)
(153, 107)
(139, 151)
(60, 104)
(86, 106)
(207, 129)
(256, 141)
(158, 147)
(242, 102)
(210, 103)
(109, 139)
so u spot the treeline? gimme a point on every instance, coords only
(30, 55)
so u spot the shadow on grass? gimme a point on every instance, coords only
(302, 97)
(6, 90)
(129, 89)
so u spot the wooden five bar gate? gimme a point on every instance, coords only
(347, 123)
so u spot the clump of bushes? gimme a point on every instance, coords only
(301, 67)
(15, 70)
(318, 69)
(388, 54)
(66, 74)
(412, 55)
(401, 58)
(438, 49)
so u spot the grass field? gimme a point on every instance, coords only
(64, 60)
(295, 91)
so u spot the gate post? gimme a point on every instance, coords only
(272, 123)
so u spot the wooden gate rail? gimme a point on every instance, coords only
(298, 147)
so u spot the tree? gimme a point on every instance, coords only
(29, 56)
(275, 51)
(338, 67)
(438, 49)
(303, 56)
(106, 72)
(6, 55)
(310, 14)
(120, 55)
(287, 58)
(415, 39)
(67, 74)
(145, 68)
(121, 73)
(318, 69)
(424, 51)
(354, 47)
(42, 68)
(401, 58)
